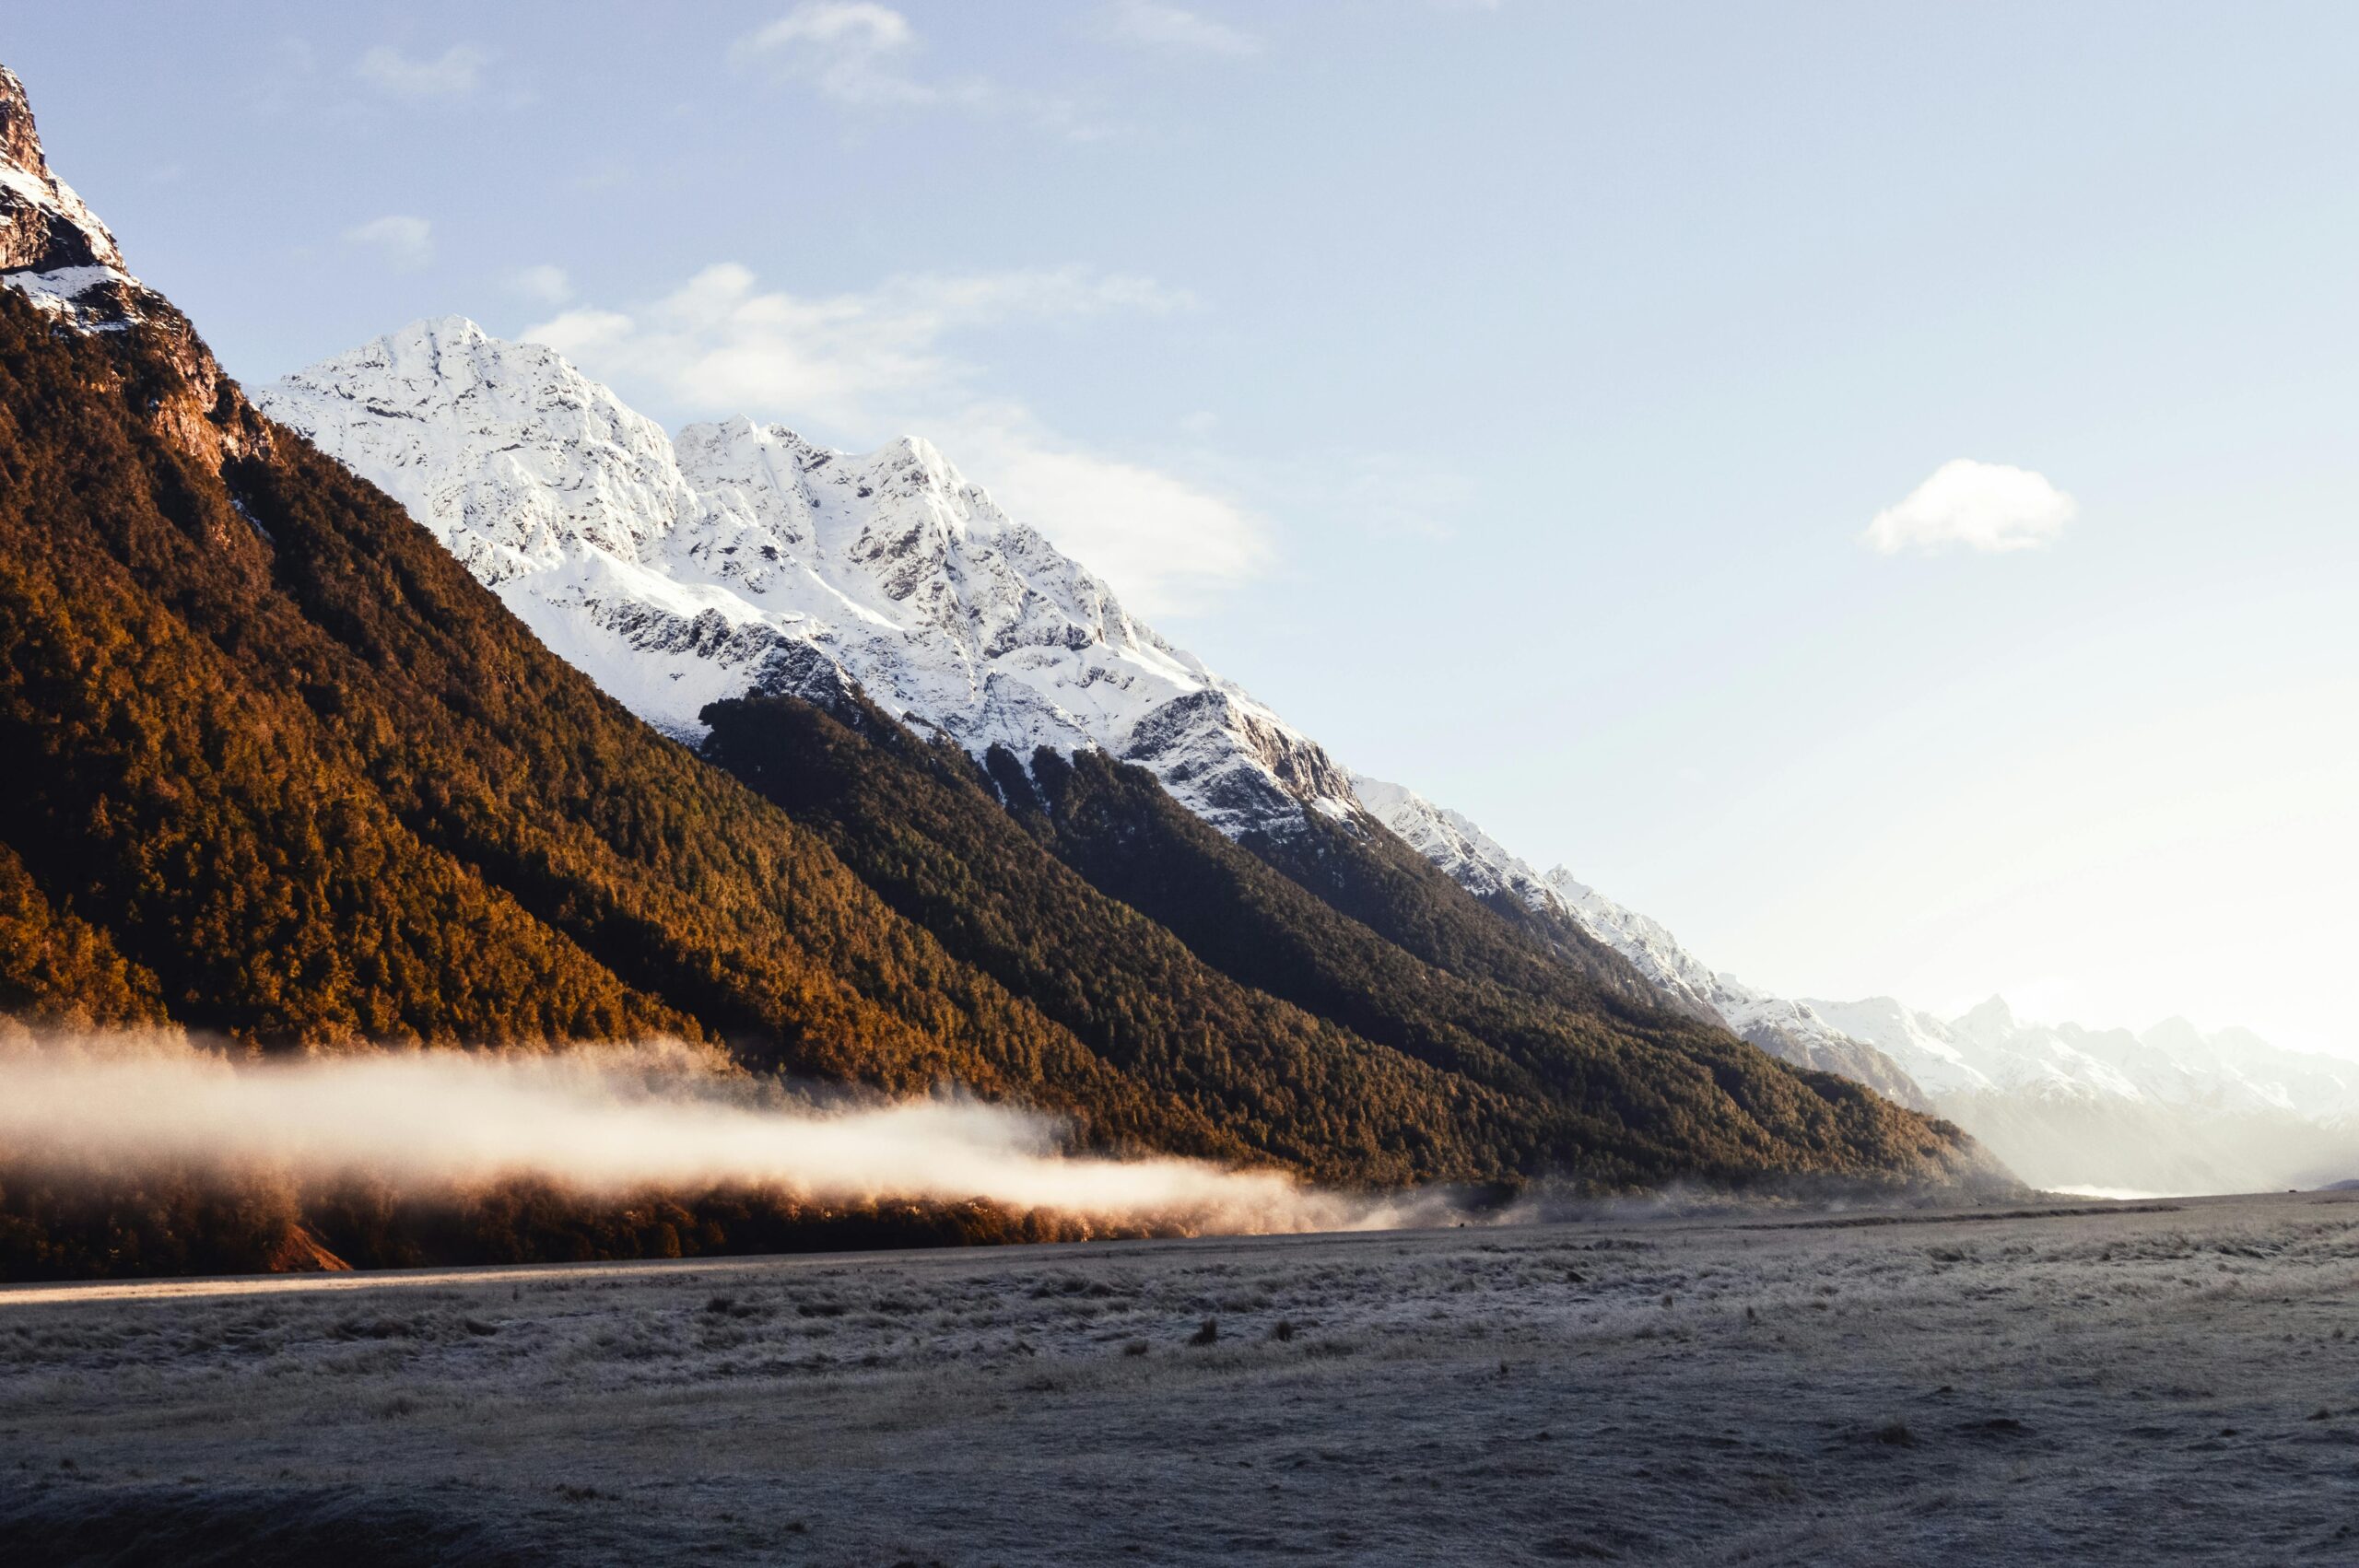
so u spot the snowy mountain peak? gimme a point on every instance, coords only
(743, 557)
(1562, 879)
(47, 225)
(550, 463)
(53, 249)
(1991, 1018)
(2179, 1039)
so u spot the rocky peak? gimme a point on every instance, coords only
(54, 250)
(56, 253)
(563, 465)
(44, 227)
(19, 143)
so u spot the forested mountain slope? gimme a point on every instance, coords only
(1141, 927)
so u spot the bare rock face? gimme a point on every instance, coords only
(48, 228)
(53, 248)
(56, 252)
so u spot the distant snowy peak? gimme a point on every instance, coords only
(1488, 869)
(1921, 1043)
(1987, 1050)
(53, 248)
(742, 558)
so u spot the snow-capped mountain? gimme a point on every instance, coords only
(1988, 1050)
(742, 558)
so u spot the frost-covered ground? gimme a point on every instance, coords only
(2149, 1383)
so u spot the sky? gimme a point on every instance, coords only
(1874, 487)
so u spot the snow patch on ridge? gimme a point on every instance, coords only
(54, 250)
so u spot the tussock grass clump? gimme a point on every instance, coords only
(1207, 1332)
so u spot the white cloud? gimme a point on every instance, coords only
(1981, 506)
(1167, 27)
(861, 368)
(406, 242)
(547, 284)
(848, 49)
(855, 53)
(1165, 542)
(721, 344)
(457, 71)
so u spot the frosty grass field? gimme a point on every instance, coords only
(2162, 1381)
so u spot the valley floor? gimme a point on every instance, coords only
(2155, 1382)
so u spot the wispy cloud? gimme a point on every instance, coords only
(865, 365)
(861, 54)
(722, 345)
(406, 242)
(851, 50)
(455, 73)
(1157, 25)
(1976, 506)
(547, 284)
(1166, 542)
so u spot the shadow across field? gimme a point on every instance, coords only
(2087, 1383)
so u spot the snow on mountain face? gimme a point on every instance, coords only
(54, 250)
(1488, 869)
(741, 558)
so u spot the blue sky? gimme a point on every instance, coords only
(1501, 392)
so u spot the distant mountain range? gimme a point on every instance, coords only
(2171, 1109)
(818, 757)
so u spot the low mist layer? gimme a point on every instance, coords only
(597, 1121)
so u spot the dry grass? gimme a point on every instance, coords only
(2108, 1386)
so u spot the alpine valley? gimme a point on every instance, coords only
(434, 698)
(743, 561)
